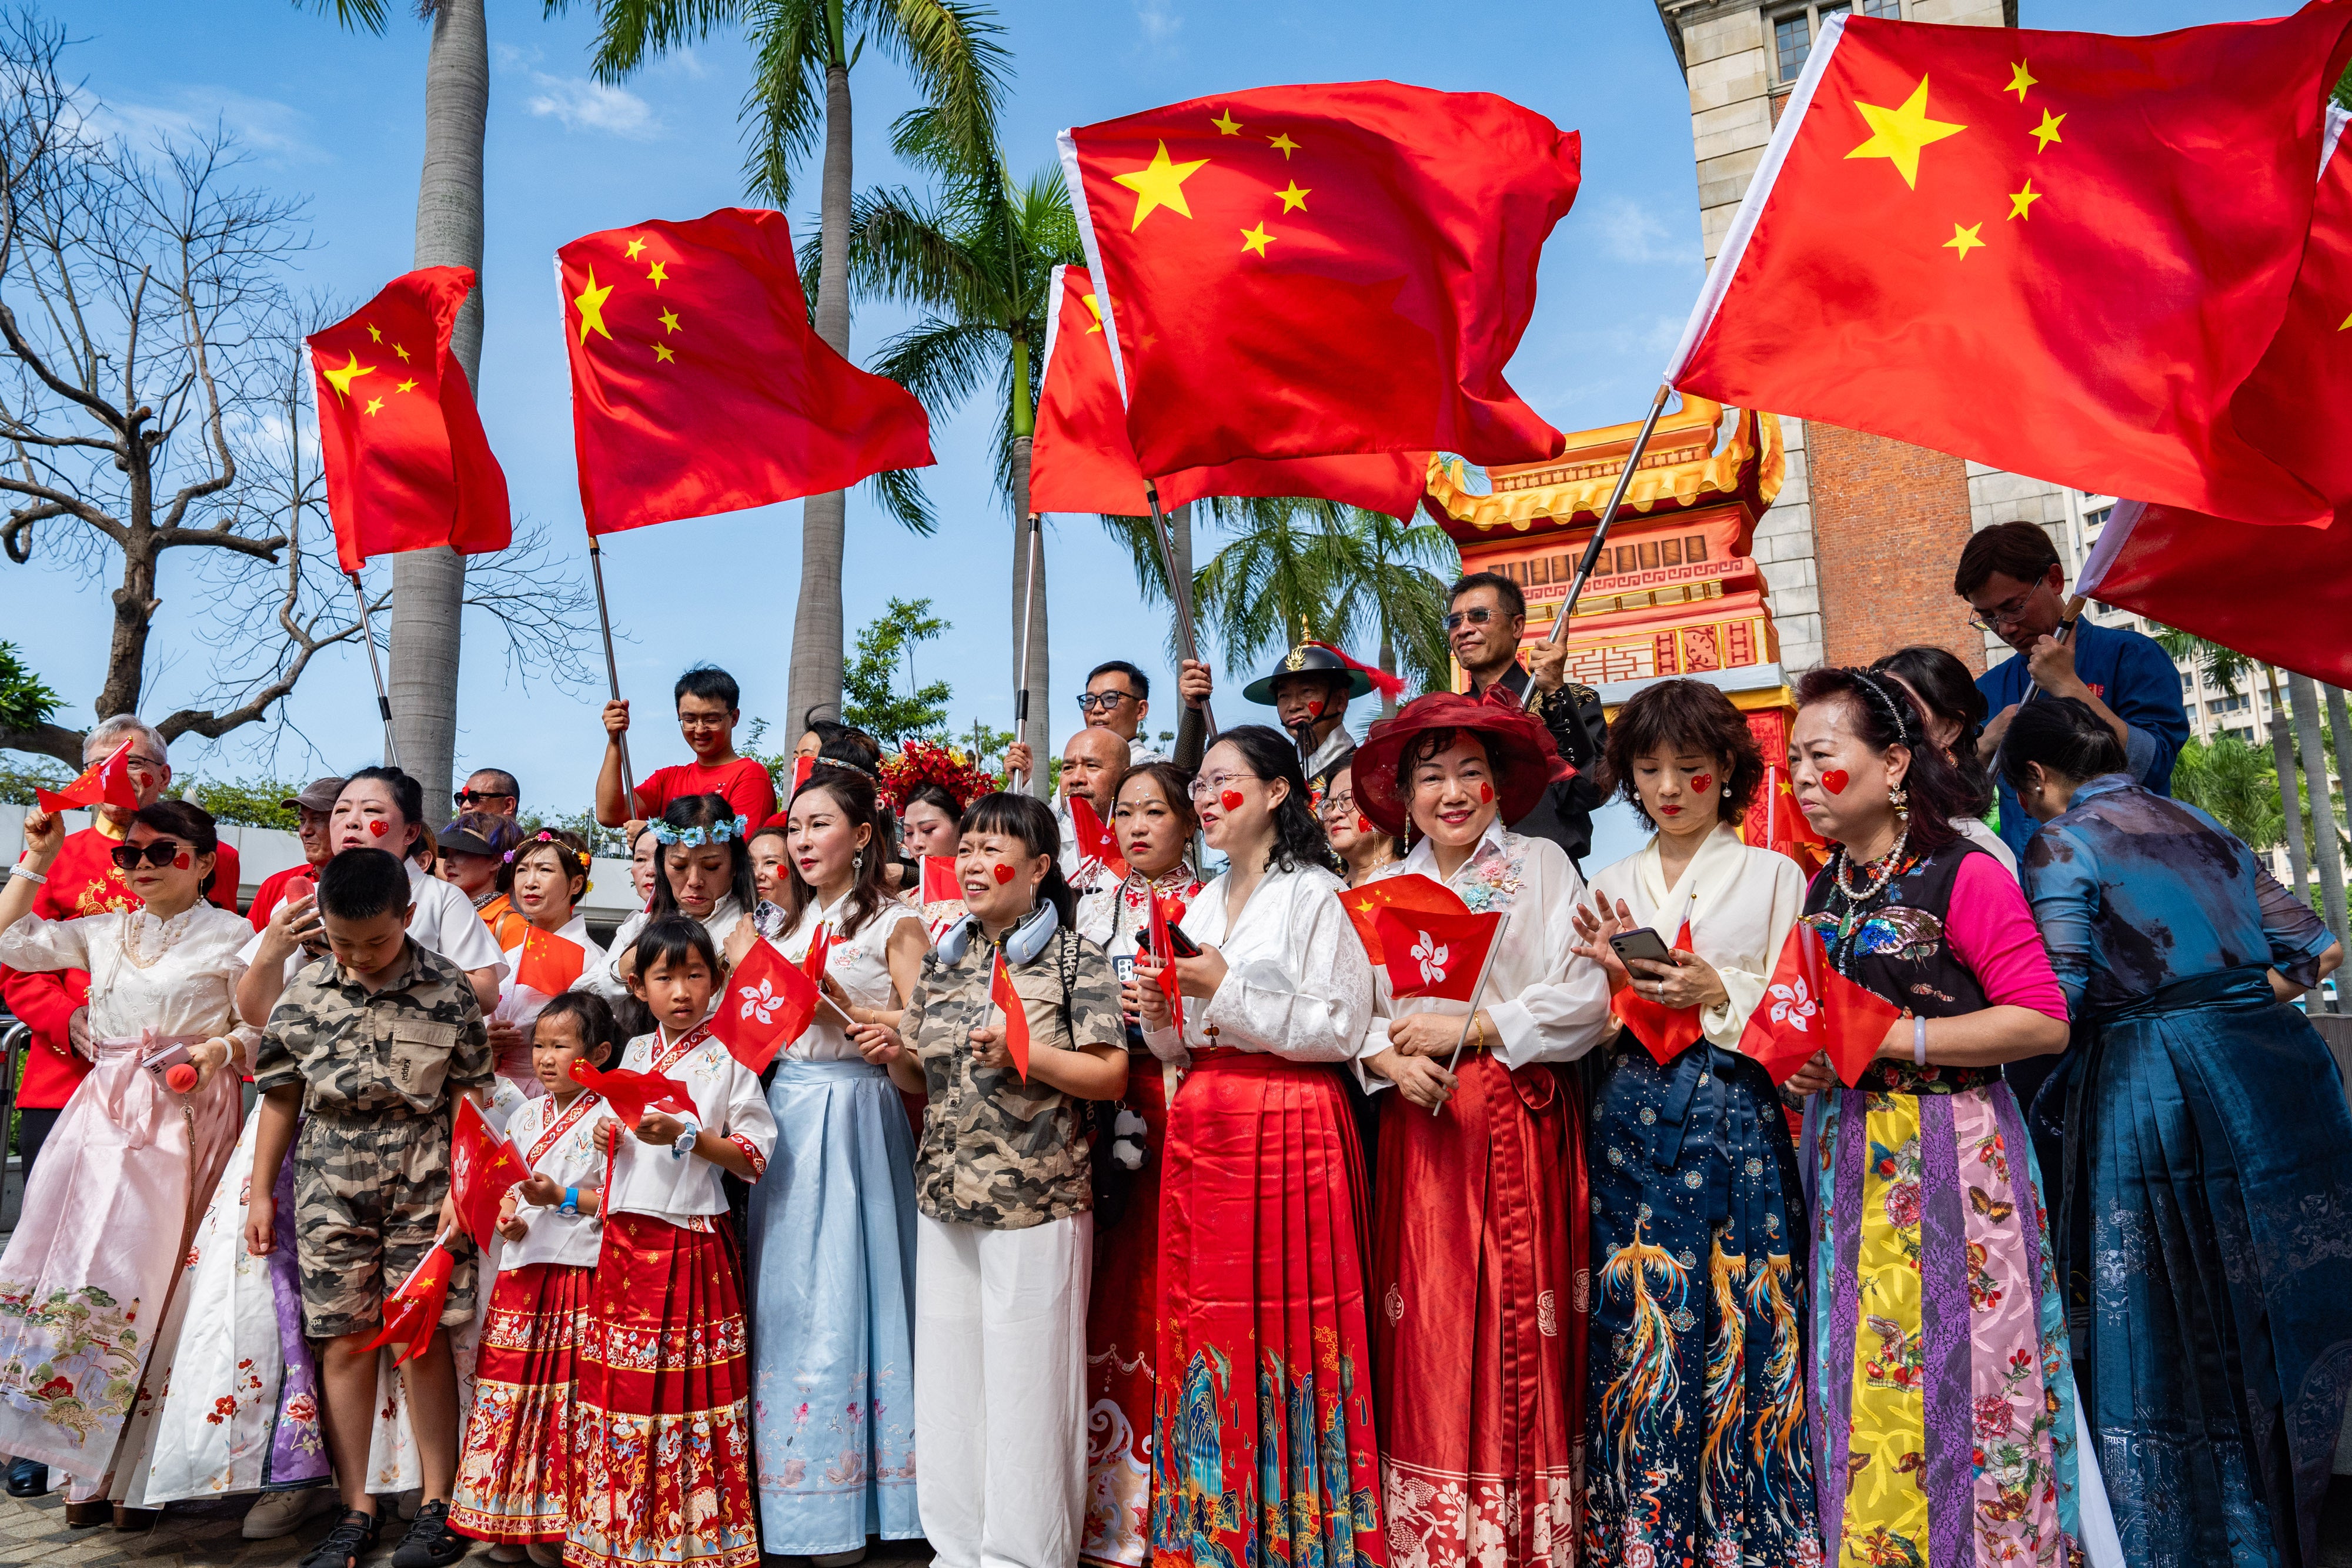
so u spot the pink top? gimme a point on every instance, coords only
(1992, 931)
(744, 783)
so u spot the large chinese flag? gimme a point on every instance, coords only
(698, 385)
(1082, 460)
(1311, 271)
(407, 465)
(2292, 405)
(2060, 253)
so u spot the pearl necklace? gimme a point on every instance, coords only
(1885, 874)
(131, 921)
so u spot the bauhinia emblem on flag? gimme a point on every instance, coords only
(407, 465)
(1309, 271)
(1434, 954)
(2104, 229)
(1412, 893)
(767, 1003)
(106, 782)
(698, 385)
(413, 1312)
(1016, 1017)
(484, 1164)
(1809, 1007)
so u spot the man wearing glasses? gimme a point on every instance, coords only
(1486, 616)
(491, 789)
(84, 880)
(2010, 576)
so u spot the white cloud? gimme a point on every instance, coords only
(585, 105)
(1159, 21)
(274, 131)
(1632, 233)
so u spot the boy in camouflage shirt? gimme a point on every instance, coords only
(368, 1048)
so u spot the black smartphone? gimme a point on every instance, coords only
(1642, 942)
(1184, 946)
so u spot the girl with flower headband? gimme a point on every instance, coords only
(544, 877)
(705, 876)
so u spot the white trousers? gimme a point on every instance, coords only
(1000, 1391)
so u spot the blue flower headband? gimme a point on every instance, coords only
(718, 832)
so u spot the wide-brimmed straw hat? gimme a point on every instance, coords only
(1518, 748)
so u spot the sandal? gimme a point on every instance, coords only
(353, 1535)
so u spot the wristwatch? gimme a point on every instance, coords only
(570, 1203)
(686, 1139)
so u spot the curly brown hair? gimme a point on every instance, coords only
(1679, 716)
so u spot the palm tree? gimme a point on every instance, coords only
(2225, 667)
(801, 54)
(2236, 784)
(979, 258)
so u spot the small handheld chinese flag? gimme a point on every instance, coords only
(407, 465)
(631, 1094)
(1167, 912)
(939, 879)
(1415, 892)
(550, 964)
(106, 783)
(413, 1312)
(1808, 1007)
(1665, 1032)
(767, 1005)
(1429, 953)
(483, 1165)
(1096, 842)
(1016, 1017)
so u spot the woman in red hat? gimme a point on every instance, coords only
(1479, 1337)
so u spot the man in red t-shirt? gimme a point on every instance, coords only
(84, 880)
(707, 712)
(313, 808)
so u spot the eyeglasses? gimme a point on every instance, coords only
(2008, 615)
(1089, 701)
(1336, 805)
(1210, 787)
(156, 852)
(467, 797)
(1479, 616)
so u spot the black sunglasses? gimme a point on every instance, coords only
(156, 852)
(467, 797)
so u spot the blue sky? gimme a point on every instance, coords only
(337, 120)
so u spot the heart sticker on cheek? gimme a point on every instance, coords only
(181, 861)
(1702, 782)
(1486, 793)
(1231, 799)
(1363, 824)
(1003, 874)
(1834, 781)
(1315, 707)
(378, 826)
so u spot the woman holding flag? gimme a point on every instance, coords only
(1478, 1335)
(1945, 1423)
(1695, 1408)
(545, 877)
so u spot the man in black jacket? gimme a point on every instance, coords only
(1486, 616)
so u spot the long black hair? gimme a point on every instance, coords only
(1029, 819)
(1299, 838)
(2066, 737)
(1884, 716)
(687, 812)
(1940, 681)
(854, 793)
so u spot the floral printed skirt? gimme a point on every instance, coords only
(1942, 1398)
(515, 1479)
(663, 1424)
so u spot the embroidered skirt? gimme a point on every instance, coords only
(1941, 1396)
(1263, 1443)
(1478, 1342)
(663, 1432)
(1697, 1443)
(515, 1478)
(1122, 1330)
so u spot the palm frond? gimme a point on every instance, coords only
(355, 15)
(899, 492)
(785, 103)
(953, 50)
(942, 362)
(908, 253)
(636, 31)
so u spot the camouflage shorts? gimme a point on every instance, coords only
(367, 1207)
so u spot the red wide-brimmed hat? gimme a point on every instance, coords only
(1519, 748)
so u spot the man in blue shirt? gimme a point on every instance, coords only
(2010, 576)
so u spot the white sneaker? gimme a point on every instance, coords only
(277, 1513)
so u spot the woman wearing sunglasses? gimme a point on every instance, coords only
(138, 1148)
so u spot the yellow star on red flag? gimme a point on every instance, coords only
(1898, 134)
(1159, 184)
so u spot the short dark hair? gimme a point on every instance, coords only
(1030, 820)
(1679, 714)
(1943, 685)
(592, 1015)
(1505, 588)
(670, 939)
(186, 820)
(1884, 716)
(502, 782)
(2065, 737)
(360, 884)
(711, 683)
(1137, 680)
(843, 742)
(407, 798)
(2021, 550)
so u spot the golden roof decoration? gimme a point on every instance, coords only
(1700, 453)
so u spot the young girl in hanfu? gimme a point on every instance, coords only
(664, 1425)
(545, 876)
(516, 1469)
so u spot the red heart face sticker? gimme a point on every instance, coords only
(1003, 874)
(183, 860)
(1702, 782)
(378, 826)
(1231, 799)
(1315, 707)
(1834, 781)
(1486, 793)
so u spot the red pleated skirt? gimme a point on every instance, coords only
(515, 1480)
(1263, 1451)
(1478, 1344)
(663, 1436)
(1122, 1336)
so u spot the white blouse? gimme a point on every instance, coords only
(726, 1100)
(1980, 834)
(1114, 911)
(858, 963)
(1740, 901)
(605, 978)
(175, 977)
(520, 1005)
(1546, 1003)
(572, 1160)
(1296, 982)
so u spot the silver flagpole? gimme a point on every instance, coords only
(383, 699)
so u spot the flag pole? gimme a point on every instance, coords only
(1028, 611)
(2067, 617)
(612, 668)
(1609, 514)
(1477, 993)
(382, 701)
(1181, 590)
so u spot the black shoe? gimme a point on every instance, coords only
(27, 1478)
(430, 1542)
(353, 1535)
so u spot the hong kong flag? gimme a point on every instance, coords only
(106, 783)
(413, 1312)
(1808, 1007)
(1096, 841)
(483, 1165)
(1413, 893)
(769, 1002)
(1428, 954)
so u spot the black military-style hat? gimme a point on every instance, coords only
(1309, 659)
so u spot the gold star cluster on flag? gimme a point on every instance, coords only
(1160, 183)
(1902, 133)
(351, 375)
(593, 298)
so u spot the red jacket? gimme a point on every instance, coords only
(82, 881)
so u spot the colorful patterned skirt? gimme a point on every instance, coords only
(1122, 1330)
(1941, 1396)
(1696, 1439)
(1478, 1344)
(515, 1476)
(1262, 1446)
(663, 1438)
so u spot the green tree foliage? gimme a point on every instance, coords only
(18, 780)
(870, 695)
(2236, 784)
(248, 802)
(25, 701)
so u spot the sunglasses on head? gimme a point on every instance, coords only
(156, 852)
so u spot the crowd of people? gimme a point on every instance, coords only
(1119, 1204)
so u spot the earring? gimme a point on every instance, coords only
(1900, 798)
(856, 865)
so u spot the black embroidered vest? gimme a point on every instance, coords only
(1894, 943)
